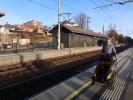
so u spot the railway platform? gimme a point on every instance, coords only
(79, 87)
(10, 59)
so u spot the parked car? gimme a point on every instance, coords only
(7, 46)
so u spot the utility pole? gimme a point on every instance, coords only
(59, 33)
(87, 22)
(103, 30)
(1, 35)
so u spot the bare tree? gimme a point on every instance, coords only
(112, 32)
(120, 38)
(82, 20)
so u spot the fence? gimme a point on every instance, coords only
(15, 48)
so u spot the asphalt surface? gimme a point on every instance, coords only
(123, 85)
(128, 89)
(79, 87)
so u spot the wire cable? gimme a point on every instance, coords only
(108, 9)
(43, 5)
(102, 9)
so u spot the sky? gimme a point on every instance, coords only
(20, 11)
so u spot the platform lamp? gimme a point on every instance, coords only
(2, 14)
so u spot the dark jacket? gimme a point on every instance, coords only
(109, 49)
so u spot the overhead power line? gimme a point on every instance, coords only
(107, 8)
(102, 9)
(48, 7)
(128, 1)
(107, 5)
(124, 1)
(114, 3)
(43, 5)
(63, 15)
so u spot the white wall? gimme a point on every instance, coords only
(21, 41)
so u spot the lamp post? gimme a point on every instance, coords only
(2, 14)
(59, 33)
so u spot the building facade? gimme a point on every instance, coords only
(73, 36)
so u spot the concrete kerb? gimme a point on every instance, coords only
(26, 57)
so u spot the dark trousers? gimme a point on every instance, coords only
(102, 70)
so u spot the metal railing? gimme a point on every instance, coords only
(15, 48)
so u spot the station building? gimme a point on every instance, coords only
(73, 36)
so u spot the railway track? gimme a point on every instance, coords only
(15, 73)
(34, 85)
(29, 88)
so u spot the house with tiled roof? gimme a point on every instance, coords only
(32, 36)
(5, 32)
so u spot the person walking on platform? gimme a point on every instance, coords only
(107, 59)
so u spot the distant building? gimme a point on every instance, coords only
(10, 33)
(5, 31)
(12, 27)
(7, 27)
(73, 36)
(3, 34)
(1, 29)
(33, 37)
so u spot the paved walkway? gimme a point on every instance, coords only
(9, 59)
(128, 90)
(79, 87)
